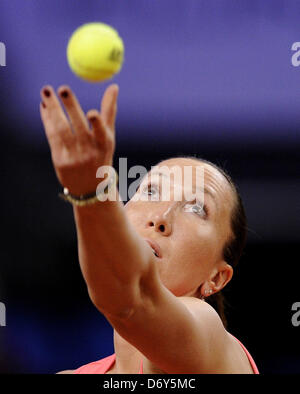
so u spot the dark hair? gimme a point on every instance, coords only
(234, 247)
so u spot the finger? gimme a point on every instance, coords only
(56, 124)
(109, 105)
(59, 138)
(98, 127)
(73, 108)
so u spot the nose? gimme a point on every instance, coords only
(162, 222)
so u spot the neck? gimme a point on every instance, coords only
(128, 358)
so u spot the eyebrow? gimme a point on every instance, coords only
(205, 190)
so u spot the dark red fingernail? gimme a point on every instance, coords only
(64, 94)
(93, 118)
(43, 104)
(47, 92)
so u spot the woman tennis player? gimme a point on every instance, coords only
(151, 267)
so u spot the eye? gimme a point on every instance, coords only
(196, 207)
(151, 190)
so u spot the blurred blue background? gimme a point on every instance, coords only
(222, 65)
(212, 78)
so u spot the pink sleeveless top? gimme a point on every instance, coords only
(100, 366)
(103, 365)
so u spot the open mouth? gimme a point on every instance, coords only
(155, 248)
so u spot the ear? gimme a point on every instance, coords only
(222, 277)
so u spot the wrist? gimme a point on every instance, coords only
(105, 190)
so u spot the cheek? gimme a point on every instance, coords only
(135, 213)
(191, 258)
(197, 243)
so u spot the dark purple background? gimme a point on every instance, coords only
(222, 66)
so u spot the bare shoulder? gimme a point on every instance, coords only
(66, 372)
(238, 358)
(193, 302)
(207, 318)
(231, 356)
(203, 312)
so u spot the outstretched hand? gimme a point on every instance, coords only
(77, 149)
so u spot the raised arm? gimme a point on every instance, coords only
(106, 241)
(117, 264)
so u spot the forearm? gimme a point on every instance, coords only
(113, 257)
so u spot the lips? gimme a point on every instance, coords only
(155, 247)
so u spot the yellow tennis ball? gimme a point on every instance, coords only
(95, 52)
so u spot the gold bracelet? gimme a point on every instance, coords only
(87, 199)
